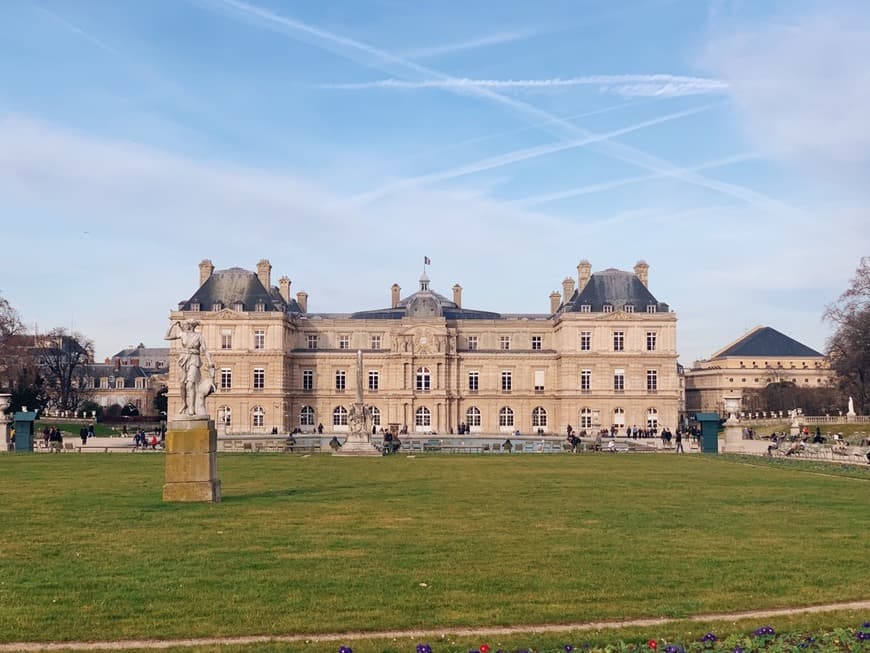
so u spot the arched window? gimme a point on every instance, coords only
(424, 381)
(472, 416)
(422, 419)
(506, 417)
(258, 416)
(306, 416)
(652, 418)
(376, 416)
(618, 417)
(339, 416)
(539, 417)
(225, 415)
(586, 418)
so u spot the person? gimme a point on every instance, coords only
(679, 441)
(83, 434)
(570, 430)
(11, 446)
(290, 442)
(508, 445)
(189, 363)
(611, 446)
(46, 432)
(90, 430)
(154, 442)
(55, 438)
(334, 444)
(320, 429)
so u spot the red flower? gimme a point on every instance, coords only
(652, 644)
(484, 648)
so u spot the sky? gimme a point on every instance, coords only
(725, 142)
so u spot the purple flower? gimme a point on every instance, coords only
(424, 648)
(862, 636)
(568, 648)
(345, 649)
(709, 637)
(674, 648)
(866, 624)
(764, 630)
(737, 649)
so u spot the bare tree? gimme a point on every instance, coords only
(64, 358)
(849, 347)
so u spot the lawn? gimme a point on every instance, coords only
(320, 544)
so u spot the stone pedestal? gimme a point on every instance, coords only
(191, 460)
(357, 445)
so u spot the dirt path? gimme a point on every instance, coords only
(349, 637)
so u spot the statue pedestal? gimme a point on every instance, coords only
(191, 460)
(357, 445)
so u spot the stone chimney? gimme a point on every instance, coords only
(567, 289)
(555, 300)
(641, 270)
(457, 295)
(302, 300)
(584, 273)
(395, 292)
(205, 270)
(264, 273)
(284, 288)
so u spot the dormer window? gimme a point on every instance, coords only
(608, 308)
(217, 306)
(628, 308)
(260, 307)
(585, 308)
(194, 306)
(239, 307)
(651, 308)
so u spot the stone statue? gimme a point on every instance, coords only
(359, 417)
(195, 386)
(851, 407)
(359, 377)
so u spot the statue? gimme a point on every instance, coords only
(359, 418)
(851, 407)
(195, 386)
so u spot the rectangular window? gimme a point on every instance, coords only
(650, 340)
(259, 339)
(536, 343)
(539, 380)
(226, 338)
(628, 308)
(376, 342)
(226, 378)
(473, 381)
(344, 342)
(608, 308)
(618, 340)
(618, 380)
(194, 306)
(504, 342)
(651, 308)
(373, 380)
(472, 343)
(652, 380)
(340, 380)
(585, 308)
(506, 381)
(217, 307)
(585, 380)
(585, 341)
(259, 378)
(260, 307)
(308, 379)
(312, 341)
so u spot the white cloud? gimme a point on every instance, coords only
(462, 46)
(625, 85)
(802, 88)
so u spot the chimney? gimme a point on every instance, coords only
(205, 270)
(641, 270)
(584, 272)
(567, 289)
(457, 295)
(264, 273)
(302, 300)
(555, 300)
(396, 292)
(284, 288)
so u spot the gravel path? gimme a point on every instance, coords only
(349, 637)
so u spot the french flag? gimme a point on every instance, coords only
(427, 260)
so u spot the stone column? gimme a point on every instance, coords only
(191, 460)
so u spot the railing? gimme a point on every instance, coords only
(842, 419)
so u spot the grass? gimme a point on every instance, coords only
(321, 544)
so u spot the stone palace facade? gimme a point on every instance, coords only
(605, 354)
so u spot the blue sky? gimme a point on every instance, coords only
(725, 142)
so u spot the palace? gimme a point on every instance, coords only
(604, 355)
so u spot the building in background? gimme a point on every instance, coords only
(603, 355)
(759, 358)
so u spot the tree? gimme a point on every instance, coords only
(64, 359)
(849, 347)
(12, 345)
(161, 401)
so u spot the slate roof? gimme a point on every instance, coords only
(766, 342)
(128, 372)
(616, 288)
(449, 310)
(235, 285)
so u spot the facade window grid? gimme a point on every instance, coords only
(585, 380)
(473, 381)
(423, 418)
(651, 340)
(376, 416)
(585, 418)
(506, 381)
(344, 342)
(259, 378)
(308, 379)
(226, 339)
(537, 341)
(539, 417)
(340, 380)
(506, 417)
(376, 342)
(619, 341)
(312, 341)
(652, 380)
(504, 343)
(472, 416)
(374, 380)
(259, 416)
(259, 339)
(585, 341)
(472, 343)
(619, 381)
(339, 416)
(423, 380)
(226, 378)
(306, 416)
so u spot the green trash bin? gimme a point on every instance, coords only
(709, 432)
(23, 423)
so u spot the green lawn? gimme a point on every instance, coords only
(88, 550)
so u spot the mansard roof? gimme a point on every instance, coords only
(233, 285)
(616, 288)
(419, 304)
(766, 342)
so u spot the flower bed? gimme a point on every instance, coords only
(764, 638)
